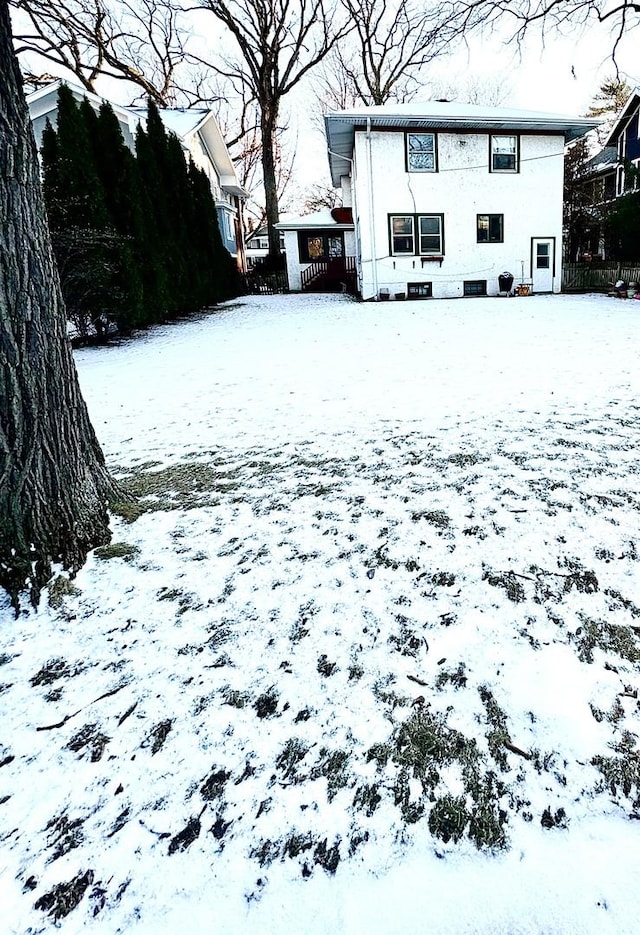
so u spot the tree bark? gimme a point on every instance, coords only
(268, 120)
(54, 485)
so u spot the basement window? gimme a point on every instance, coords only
(419, 290)
(475, 287)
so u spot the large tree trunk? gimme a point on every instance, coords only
(54, 485)
(268, 120)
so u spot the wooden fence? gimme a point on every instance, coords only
(582, 277)
(267, 283)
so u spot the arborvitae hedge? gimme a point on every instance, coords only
(135, 235)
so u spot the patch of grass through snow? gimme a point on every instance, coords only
(419, 749)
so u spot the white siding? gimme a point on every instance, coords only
(294, 267)
(462, 188)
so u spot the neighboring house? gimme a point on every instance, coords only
(321, 251)
(611, 173)
(200, 136)
(257, 246)
(625, 136)
(597, 187)
(445, 198)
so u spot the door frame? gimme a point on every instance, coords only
(552, 266)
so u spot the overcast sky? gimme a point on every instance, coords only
(560, 74)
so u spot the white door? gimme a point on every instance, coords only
(543, 263)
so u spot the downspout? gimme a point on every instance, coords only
(372, 227)
(356, 236)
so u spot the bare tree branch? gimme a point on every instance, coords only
(519, 17)
(278, 43)
(138, 41)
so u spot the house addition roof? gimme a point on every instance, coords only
(341, 126)
(336, 218)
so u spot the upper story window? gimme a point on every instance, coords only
(504, 154)
(416, 234)
(421, 152)
(490, 228)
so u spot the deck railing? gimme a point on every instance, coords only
(332, 270)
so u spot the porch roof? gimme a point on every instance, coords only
(316, 221)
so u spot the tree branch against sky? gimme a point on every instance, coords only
(138, 41)
(277, 42)
(619, 19)
(392, 42)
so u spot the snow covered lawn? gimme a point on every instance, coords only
(365, 657)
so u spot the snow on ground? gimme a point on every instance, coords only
(366, 656)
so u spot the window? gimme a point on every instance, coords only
(504, 154)
(416, 234)
(475, 287)
(419, 290)
(421, 152)
(609, 187)
(490, 228)
(402, 240)
(319, 245)
(543, 255)
(430, 233)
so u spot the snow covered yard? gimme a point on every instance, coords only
(365, 658)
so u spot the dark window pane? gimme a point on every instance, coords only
(495, 228)
(430, 234)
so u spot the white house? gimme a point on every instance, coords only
(321, 250)
(446, 197)
(200, 136)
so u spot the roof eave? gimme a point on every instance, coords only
(627, 110)
(339, 143)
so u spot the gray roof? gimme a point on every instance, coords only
(316, 220)
(340, 126)
(603, 161)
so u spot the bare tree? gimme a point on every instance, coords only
(516, 18)
(321, 196)
(393, 40)
(143, 42)
(278, 43)
(54, 485)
